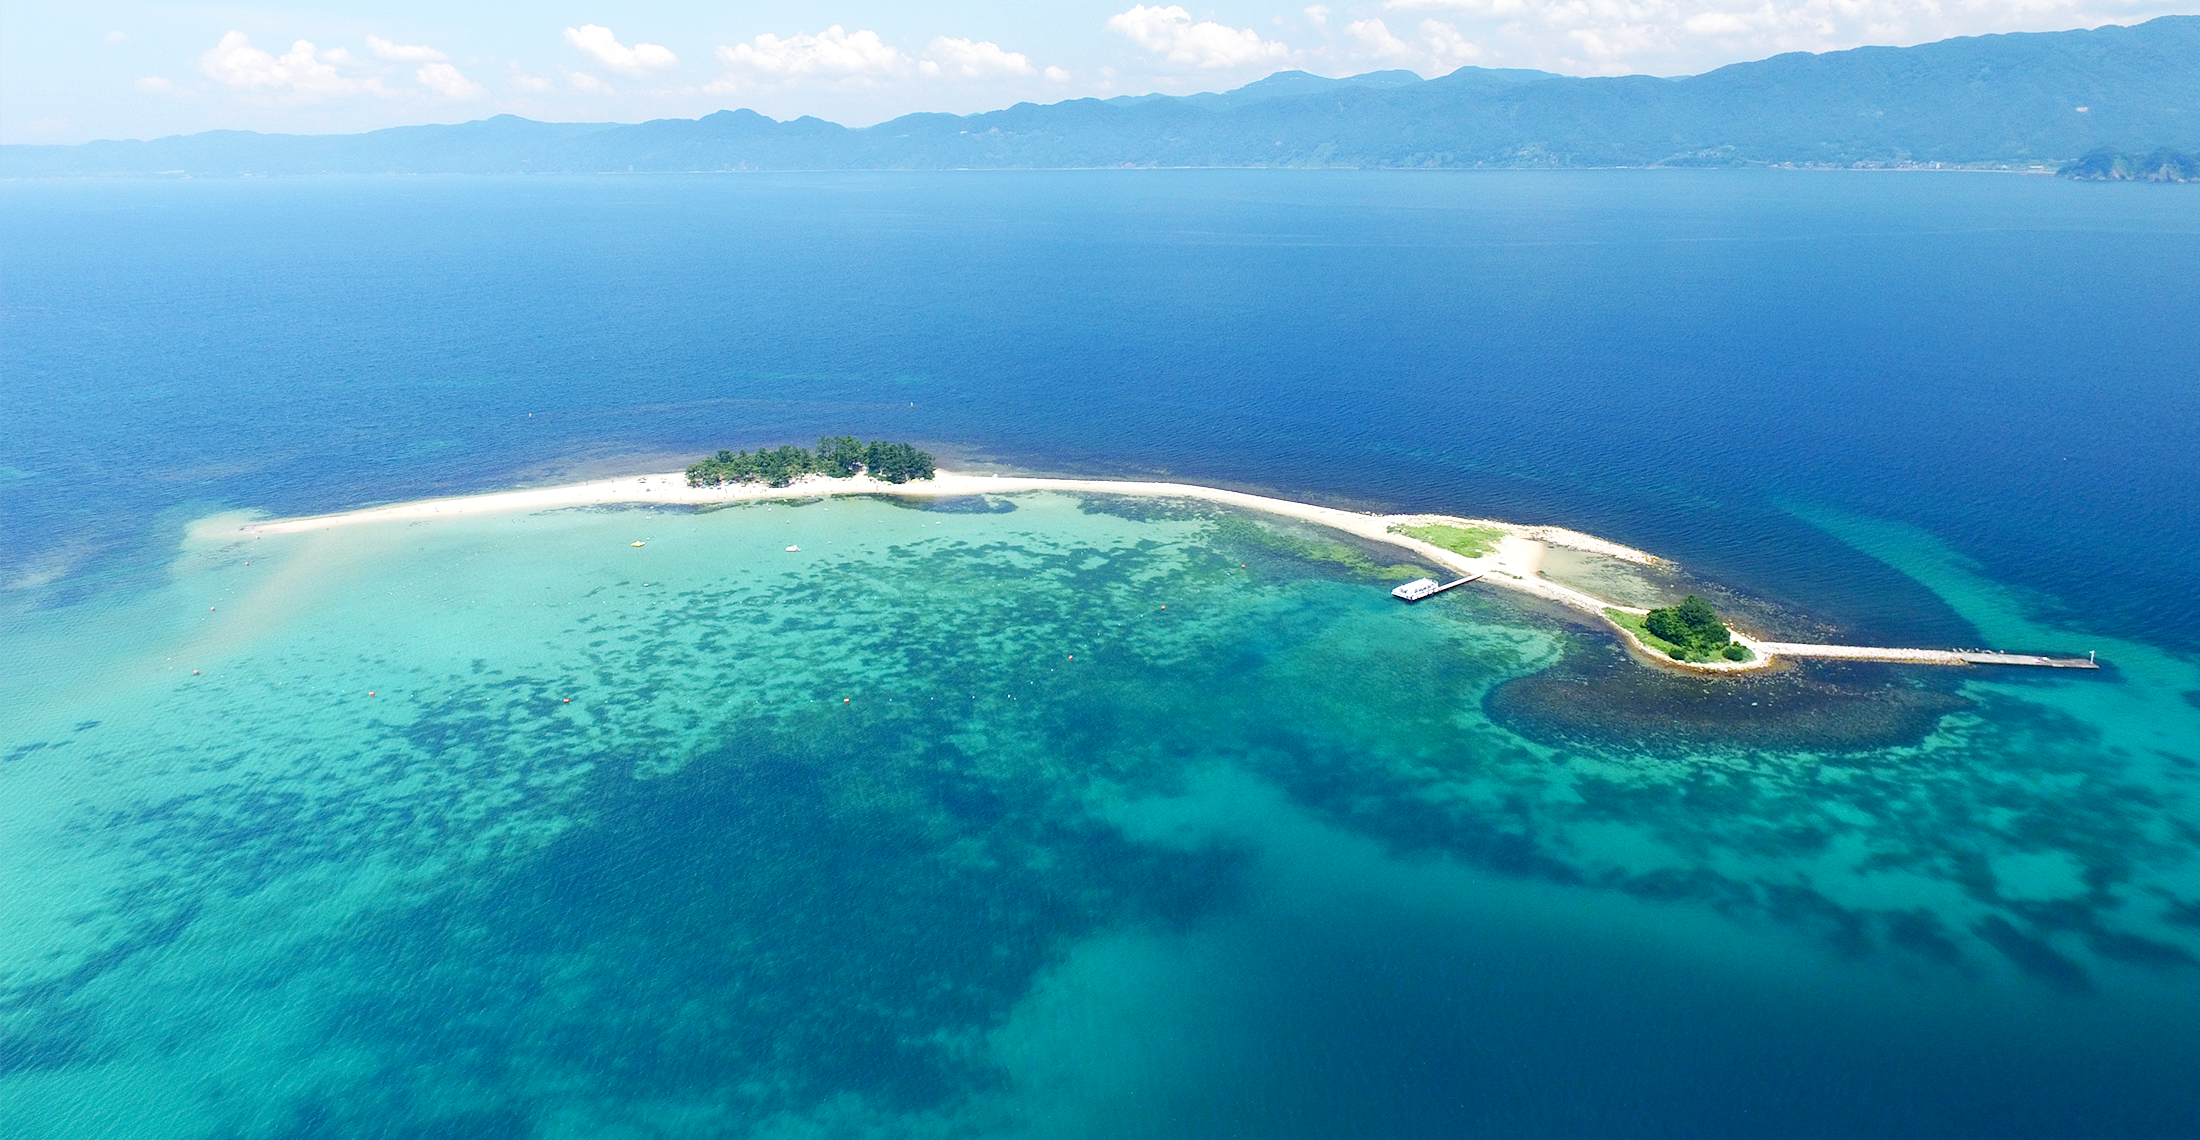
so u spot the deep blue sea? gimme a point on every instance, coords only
(706, 845)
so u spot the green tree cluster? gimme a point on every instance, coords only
(839, 456)
(1694, 632)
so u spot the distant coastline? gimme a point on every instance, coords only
(2025, 101)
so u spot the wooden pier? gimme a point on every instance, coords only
(1420, 588)
(1923, 656)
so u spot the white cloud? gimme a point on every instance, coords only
(304, 70)
(1318, 15)
(834, 51)
(403, 53)
(974, 59)
(155, 85)
(529, 83)
(641, 59)
(1375, 39)
(1057, 75)
(1170, 32)
(1715, 24)
(586, 83)
(117, 37)
(445, 80)
(1437, 49)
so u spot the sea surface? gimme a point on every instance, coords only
(1049, 815)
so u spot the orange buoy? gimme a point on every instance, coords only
(194, 672)
(370, 692)
(568, 700)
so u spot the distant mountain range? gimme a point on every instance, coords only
(2009, 100)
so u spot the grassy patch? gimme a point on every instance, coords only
(1472, 541)
(1633, 624)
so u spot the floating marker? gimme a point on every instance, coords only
(568, 700)
(194, 672)
(793, 549)
(370, 692)
(637, 544)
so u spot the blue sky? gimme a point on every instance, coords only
(103, 69)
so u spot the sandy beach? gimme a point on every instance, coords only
(1514, 564)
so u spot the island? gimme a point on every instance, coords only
(836, 457)
(1689, 636)
(1690, 632)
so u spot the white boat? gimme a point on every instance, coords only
(1417, 589)
(1420, 588)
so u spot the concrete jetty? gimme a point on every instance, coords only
(1922, 656)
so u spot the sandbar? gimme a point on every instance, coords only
(1514, 563)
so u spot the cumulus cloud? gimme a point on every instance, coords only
(304, 71)
(1437, 47)
(587, 84)
(832, 52)
(641, 59)
(403, 53)
(1057, 75)
(974, 59)
(1171, 33)
(118, 37)
(445, 80)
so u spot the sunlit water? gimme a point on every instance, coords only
(1050, 816)
(1083, 818)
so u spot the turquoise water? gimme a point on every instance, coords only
(1053, 816)
(944, 825)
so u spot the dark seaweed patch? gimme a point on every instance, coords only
(961, 504)
(1596, 697)
(751, 931)
(2032, 955)
(1139, 508)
